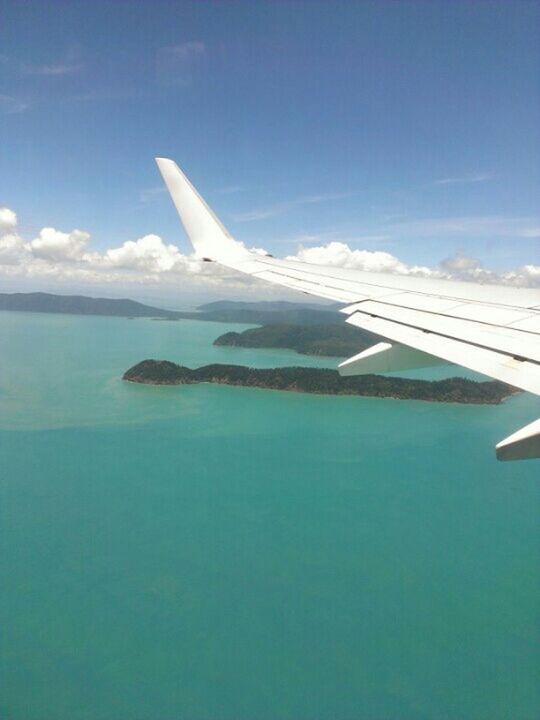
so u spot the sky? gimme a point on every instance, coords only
(400, 136)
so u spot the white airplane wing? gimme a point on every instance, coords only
(494, 330)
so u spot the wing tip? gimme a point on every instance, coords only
(163, 161)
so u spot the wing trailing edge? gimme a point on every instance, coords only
(387, 357)
(522, 445)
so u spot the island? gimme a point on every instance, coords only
(321, 381)
(328, 339)
(42, 302)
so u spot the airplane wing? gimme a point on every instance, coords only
(493, 330)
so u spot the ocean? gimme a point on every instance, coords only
(217, 553)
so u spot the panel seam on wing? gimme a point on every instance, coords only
(448, 337)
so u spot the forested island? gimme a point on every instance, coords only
(330, 340)
(79, 305)
(321, 381)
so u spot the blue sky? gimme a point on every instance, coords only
(410, 128)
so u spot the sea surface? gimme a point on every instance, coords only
(217, 553)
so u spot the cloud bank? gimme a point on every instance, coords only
(457, 267)
(68, 256)
(62, 256)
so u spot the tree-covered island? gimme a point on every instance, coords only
(321, 381)
(326, 339)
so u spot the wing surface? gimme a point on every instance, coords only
(494, 330)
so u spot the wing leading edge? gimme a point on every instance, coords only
(494, 330)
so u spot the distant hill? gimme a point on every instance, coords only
(270, 312)
(330, 340)
(252, 313)
(78, 305)
(266, 306)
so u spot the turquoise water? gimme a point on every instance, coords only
(217, 553)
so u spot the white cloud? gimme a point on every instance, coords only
(106, 94)
(458, 267)
(148, 254)
(11, 249)
(55, 245)
(473, 178)
(54, 70)
(148, 194)
(532, 232)
(176, 66)
(339, 254)
(525, 276)
(67, 256)
(460, 264)
(11, 245)
(228, 190)
(69, 65)
(10, 105)
(468, 226)
(8, 219)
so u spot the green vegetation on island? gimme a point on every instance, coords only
(79, 305)
(321, 381)
(331, 340)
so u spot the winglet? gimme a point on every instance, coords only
(209, 238)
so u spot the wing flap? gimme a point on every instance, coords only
(518, 373)
(521, 445)
(504, 339)
(499, 316)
